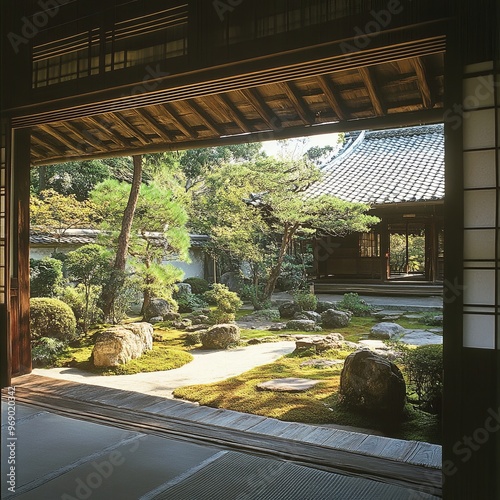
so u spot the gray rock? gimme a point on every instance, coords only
(319, 342)
(183, 289)
(420, 337)
(312, 315)
(335, 319)
(157, 308)
(288, 385)
(171, 316)
(288, 310)
(277, 327)
(233, 280)
(324, 305)
(182, 325)
(200, 319)
(374, 384)
(302, 325)
(117, 346)
(220, 336)
(387, 330)
(156, 319)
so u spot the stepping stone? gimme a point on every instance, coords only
(322, 363)
(288, 385)
(421, 337)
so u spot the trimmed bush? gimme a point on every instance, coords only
(189, 302)
(51, 318)
(46, 277)
(198, 285)
(352, 303)
(306, 301)
(45, 351)
(226, 302)
(424, 369)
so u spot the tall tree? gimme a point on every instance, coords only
(156, 234)
(116, 281)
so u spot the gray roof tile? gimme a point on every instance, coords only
(390, 166)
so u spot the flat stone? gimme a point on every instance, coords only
(288, 385)
(322, 363)
(413, 316)
(421, 337)
(387, 330)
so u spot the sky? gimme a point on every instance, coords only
(301, 145)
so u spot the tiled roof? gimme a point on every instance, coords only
(390, 166)
(86, 236)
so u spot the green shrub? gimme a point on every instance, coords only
(424, 369)
(190, 302)
(75, 298)
(46, 277)
(351, 302)
(255, 295)
(198, 285)
(45, 351)
(306, 301)
(193, 338)
(218, 317)
(223, 298)
(51, 318)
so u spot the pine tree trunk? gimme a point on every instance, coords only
(109, 293)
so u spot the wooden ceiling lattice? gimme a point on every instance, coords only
(402, 86)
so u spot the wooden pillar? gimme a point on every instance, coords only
(20, 270)
(384, 251)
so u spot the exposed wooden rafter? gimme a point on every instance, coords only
(126, 126)
(87, 137)
(151, 122)
(103, 127)
(62, 138)
(328, 90)
(233, 112)
(266, 113)
(297, 102)
(207, 120)
(43, 145)
(178, 122)
(423, 82)
(373, 91)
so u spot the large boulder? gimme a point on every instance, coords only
(374, 384)
(144, 331)
(312, 315)
(220, 336)
(387, 330)
(289, 309)
(183, 289)
(302, 325)
(320, 342)
(335, 319)
(157, 308)
(324, 305)
(119, 345)
(233, 280)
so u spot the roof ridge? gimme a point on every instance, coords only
(405, 131)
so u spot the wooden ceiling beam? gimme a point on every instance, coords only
(151, 122)
(206, 119)
(298, 103)
(373, 91)
(423, 82)
(104, 128)
(330, 94)
(131, 129)
(61, 138)
(43, 144)
(177, 120)
(86, 136)
(233, 112)
(266, 113)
